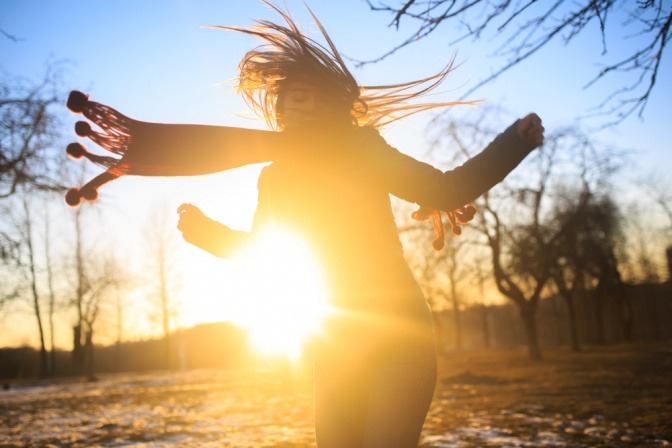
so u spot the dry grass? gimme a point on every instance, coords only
(604, 396)
(612, 396)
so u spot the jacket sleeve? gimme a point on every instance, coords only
(188, 149)
(156, 149)
(418, 182)
(218, 239)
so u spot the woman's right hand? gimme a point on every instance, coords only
(192, 222)
(207, 233)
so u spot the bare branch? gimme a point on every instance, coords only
(524, 29)
(11, 37)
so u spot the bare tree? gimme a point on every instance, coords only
(81, 289)
(642, 242)
(50, 289)
(28, 240)
(97, 275)
(583, 253)
(440, 273)
(10, 260)
(119, 316)
(108, 276)
(658, 191)
(527, 27)
(164, 278)
(515, 218)
(9, 36)
(481, 277)
(29, 133)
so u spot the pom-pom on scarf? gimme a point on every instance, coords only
(155, 149)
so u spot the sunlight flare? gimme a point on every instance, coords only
(281, 293)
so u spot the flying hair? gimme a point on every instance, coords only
(288, 54)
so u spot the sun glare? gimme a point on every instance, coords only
(281, 293)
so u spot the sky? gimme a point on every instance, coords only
(157, 61)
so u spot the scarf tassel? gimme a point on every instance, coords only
(115, 136)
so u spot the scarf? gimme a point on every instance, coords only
(156, 149)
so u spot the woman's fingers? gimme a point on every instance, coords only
(530, 129)
(190, 218)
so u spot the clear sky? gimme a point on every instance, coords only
(154, 61)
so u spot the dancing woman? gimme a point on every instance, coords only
(330, 180)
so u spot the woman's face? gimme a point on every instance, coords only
(301, 102)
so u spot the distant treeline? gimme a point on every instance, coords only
(215, 345)
(643, 314)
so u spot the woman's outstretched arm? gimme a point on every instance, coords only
(208, 234)
(155, 149)
(420, 183)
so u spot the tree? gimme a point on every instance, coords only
(642, 244)
(528, 26)
(439, 273)
(583, 253)
(97, 275)
(29, 262)
(29, 130)
(163, 278)
(652, 225)
(29, 134)
(515, 216)
(51, 309)
(481, 277)
(10, 261)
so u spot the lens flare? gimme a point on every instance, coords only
(282, 293)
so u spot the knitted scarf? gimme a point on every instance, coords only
(154, 149)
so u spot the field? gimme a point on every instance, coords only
(611, 396)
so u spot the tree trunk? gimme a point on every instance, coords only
(573, 327)
(89, 355)
(78, 354)
(43, 368)
(527, 312)
(120, 329)
(52, 351)
(163, 278)
(625, 312)
(557, 319)
(457, 322)
(485, 327)
(52, 295)
(77, 351)
(600, 292)
(568, 296)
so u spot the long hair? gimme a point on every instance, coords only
(288, 54)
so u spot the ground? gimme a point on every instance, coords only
(610, 396)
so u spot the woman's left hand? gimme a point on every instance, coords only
(531, 130)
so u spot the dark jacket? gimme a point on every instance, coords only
(333, 187)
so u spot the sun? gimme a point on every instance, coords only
(281, 292)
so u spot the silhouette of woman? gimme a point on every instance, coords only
(330, 178)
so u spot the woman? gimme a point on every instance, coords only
(330, 179)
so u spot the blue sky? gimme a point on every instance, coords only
(154, 61)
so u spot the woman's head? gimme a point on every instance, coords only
(289, 59)
(304, 100)
(290, 67)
